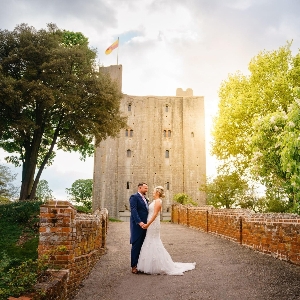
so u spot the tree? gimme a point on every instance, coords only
(257, 125)
(52, 94)
(43, 191)
(243, 99)
(225, 191)
(81, 192)
(275, 145)
(266, 161)
(290, 154)
(7, 189)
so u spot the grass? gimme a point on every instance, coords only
(114, 220)
(19, 235)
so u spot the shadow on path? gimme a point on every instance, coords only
(224, 270)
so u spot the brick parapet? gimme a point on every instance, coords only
(276, 235)
(71, 240)
(271, 233)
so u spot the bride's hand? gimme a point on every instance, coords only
(145, 226)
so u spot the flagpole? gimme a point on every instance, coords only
(118, 51)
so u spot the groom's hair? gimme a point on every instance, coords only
(142, 183)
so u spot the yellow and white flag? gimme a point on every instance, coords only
(112, 47)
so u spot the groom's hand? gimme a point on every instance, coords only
(141, 224)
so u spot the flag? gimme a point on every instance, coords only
(112, 47)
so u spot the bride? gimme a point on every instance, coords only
(154, 258)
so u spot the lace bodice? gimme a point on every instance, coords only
(154, 228)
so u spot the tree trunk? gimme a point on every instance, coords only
(29, 164)
(45, 160)
(28, 171)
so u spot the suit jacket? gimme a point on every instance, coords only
(139, 213)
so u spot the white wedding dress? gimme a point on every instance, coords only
(154, 258)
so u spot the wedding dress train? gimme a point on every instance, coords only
(154, 258)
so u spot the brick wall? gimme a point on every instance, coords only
(275, 234)
(71, 241)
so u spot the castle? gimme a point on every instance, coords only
(163, 144)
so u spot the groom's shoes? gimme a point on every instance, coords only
(134, 270)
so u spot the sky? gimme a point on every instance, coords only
(164, 45)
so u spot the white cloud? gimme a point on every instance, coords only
(240, 4)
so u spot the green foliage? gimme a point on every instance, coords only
(265, 148)
(43, 191)
(18, 280)
(184, 199)
(52, 94)
(226, 190)
(7, 189)
(22, 278)
(266, 205)
(74, 38)
(295, 209)
(83, 209)
(114, 220)
(25, 213)
(254, 203)
(244, 98)
(19, 224)
(257, 127)
(290, 148)
(276, 205)
(81, 192)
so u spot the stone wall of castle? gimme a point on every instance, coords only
(163, 144)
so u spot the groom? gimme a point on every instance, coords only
(139, 214)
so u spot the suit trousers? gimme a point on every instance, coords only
(136, 249)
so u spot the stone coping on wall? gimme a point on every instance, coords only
(273, 218)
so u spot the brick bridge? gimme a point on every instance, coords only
(224, 270)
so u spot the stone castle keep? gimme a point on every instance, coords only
(163, 144)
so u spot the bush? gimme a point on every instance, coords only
(277, 206)
(83, 209)
(18, 280)
(184, 199)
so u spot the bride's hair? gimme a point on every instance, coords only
(160, 190)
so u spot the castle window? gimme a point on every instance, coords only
(192, 134)
(128, 153)
(168, 185)
(167, 154)
(129, 107)
(131, 132)
(165, 133)
(167, 108)
(169, 133)
(128, 185)
(126, 132)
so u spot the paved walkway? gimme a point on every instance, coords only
(224, 270)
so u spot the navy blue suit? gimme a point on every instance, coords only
(139, 213)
